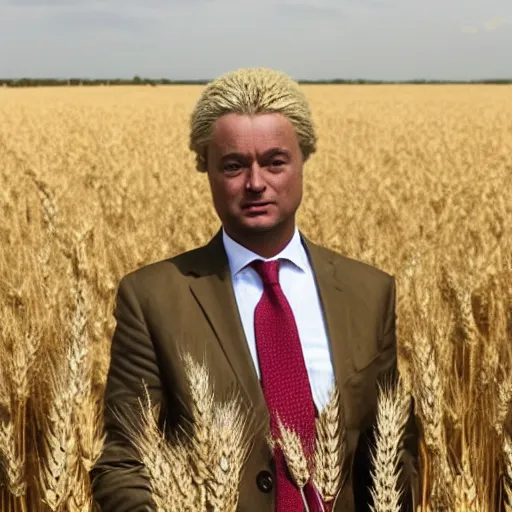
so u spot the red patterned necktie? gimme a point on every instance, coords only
(284, 378)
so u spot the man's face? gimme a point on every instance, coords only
(254, 167)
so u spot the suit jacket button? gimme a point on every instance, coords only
(265, 481)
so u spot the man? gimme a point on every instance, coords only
(271, 313)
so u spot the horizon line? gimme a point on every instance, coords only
(138, 78)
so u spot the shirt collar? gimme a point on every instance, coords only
(239, 256)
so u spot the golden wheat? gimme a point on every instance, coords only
(330, 448)
(96, 182)
(392, 414)
(181, 478)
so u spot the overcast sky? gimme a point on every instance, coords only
(194, 39)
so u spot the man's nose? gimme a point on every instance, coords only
(255, 179)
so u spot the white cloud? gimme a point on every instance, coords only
(494, 23)
(489, 25)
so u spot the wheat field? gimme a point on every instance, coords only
(95, 182)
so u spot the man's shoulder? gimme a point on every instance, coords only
(159, 272)
(354, 271)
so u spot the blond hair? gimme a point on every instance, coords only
(251, 91)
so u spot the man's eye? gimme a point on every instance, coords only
(277, 163)
(232, 167)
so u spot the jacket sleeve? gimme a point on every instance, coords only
(119, 480)
(409, 480)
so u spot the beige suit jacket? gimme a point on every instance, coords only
(187, 304)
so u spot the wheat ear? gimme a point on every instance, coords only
(90, 431)
(429, 394)
(60, 446)
(80, 499)
(330, 448)
(166, 465)
(61, 443)
(392, 414)
(507, 478)
(229, 452)
(503, 401)
(13, 466)
(464, 489)
(295, 457)
(15, 384)
(202, 409)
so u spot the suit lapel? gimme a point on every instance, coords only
(213, 289)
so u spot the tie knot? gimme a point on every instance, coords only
(268, 270)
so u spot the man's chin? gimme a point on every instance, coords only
(257, 226)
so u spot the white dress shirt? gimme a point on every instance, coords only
(298, 285)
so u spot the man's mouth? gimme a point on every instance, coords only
(256, 207)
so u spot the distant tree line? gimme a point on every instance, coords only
(137, 80)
